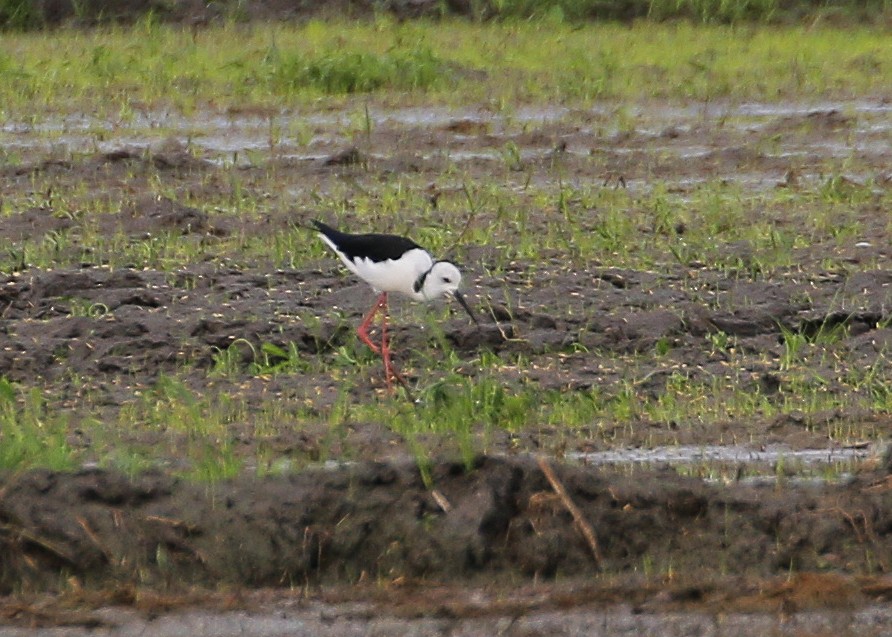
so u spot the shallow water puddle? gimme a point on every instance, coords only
(719, 456)
(721, 453)
(802, 463)
(228, 132)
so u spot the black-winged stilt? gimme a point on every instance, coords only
(390, 263)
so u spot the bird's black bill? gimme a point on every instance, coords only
(464, 304)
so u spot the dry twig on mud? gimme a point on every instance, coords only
(174, 523)
(581, 524)
(17, 533)
(880, 486)
(864, 533)
(106, 553)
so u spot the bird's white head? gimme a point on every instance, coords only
(443, 279)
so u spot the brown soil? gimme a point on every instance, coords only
(367, 519)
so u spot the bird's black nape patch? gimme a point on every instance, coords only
(419, 282)
(376, 247)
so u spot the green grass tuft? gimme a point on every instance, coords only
(343, 72)
(30, 434)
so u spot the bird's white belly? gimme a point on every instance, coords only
(394, 275)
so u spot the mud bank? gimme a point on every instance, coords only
(499, 519)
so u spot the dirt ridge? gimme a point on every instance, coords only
(379, 520)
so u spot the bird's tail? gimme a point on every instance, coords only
(326, 230)
(312, 225)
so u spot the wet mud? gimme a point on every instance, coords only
(359, 515)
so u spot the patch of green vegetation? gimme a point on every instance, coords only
(705, 11)
(114, 73)
(30, 434)
(26, 14)
(20, 15)
(338, 72)
(268, 359)
(723, 11)
(467, 410)
(197, 431)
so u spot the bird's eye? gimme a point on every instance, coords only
(446, 279)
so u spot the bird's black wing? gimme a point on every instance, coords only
(377, 247)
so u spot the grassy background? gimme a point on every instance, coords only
(122, 71)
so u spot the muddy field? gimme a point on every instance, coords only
(360, 538)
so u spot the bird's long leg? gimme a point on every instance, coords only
(385, 350)
(390, 374)
(363, 329)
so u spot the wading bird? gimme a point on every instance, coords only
(390, 263)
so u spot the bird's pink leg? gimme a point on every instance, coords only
(385, 350)
(363, 329)
(390, 374)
